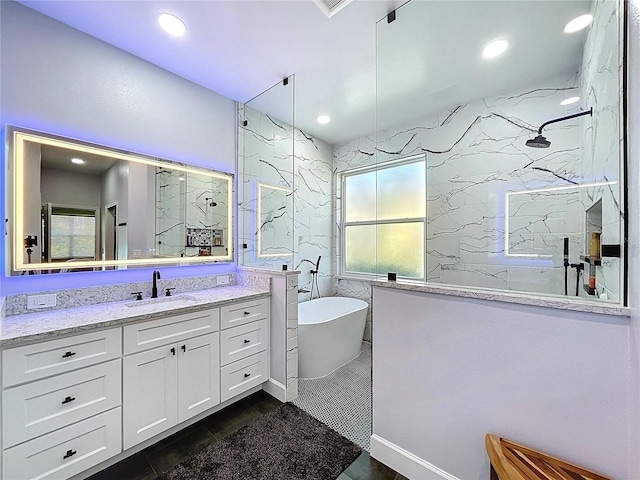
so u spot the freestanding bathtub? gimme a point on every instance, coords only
(330, 332)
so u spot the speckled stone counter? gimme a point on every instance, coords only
(17, 329)
(510, 297)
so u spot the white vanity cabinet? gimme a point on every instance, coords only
(243, 346)
(61, 405)
(167, 384)
(72, 402)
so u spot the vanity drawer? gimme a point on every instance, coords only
(242, 341)
(243, 312)
(40, 407)
(33, 362)
(155, 333)
(242, 375)
(66, 452)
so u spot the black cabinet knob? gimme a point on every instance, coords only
(68, 400)
(247, 341)
(173, 350)
(247, 375)
(247, 313)
(184, 348)
(70, 453)
(68, 354)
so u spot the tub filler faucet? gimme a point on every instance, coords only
(154, 288)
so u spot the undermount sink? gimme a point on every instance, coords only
(154, 301)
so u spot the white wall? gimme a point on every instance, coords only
(32, 201)
(448, 370)
(70, 188)
(59, 80)
(633, 139)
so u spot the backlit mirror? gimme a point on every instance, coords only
(83, 207)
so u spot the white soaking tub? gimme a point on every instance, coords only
(330, 332)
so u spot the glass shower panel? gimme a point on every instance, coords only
(498, 213)
(266, 178)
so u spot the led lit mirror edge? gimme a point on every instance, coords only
(14, 140)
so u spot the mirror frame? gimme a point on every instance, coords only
(14, 181)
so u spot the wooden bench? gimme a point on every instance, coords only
(511, 461)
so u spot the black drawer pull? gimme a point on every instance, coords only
(247, 313)
(247, 375)
(70, 453)
(247, 341)
(173, 350)
(68, 354)
(184, 348)
(68, 400)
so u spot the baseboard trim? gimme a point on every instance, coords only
(275, 389)
(404, 462)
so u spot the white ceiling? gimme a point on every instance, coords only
(429, 57)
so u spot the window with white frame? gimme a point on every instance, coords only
(383, 219)
(73, 234)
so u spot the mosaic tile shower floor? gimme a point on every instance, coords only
(342, 399)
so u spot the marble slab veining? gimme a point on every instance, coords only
(509, 297)
(17, 329)
(87, 296)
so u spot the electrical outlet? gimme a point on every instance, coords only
(223, 279)
(41, 301)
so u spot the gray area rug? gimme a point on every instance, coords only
(285, 444)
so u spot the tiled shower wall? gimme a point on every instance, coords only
(475, 155)
(186, 202)
(602, 139)
(483, 229)
(271, 152)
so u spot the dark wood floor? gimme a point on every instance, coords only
(157, 458)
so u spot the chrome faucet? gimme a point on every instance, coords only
(154, 288)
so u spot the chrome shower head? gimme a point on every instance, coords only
(538, 142)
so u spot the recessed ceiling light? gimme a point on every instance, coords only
(578, 23)
(323, 119)
(172, 24)
(569, 101)
(77, 161)
(495, 48)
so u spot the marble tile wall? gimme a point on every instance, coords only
(265, 173)
(483, 230)
(191, 214)
(602, 136)
(285, 186)
(292, 336)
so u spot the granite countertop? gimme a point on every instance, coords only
(29, 327)
(574, 304)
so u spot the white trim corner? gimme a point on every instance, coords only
(404, 462)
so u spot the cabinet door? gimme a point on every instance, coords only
(150, 402)
(198, 375)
